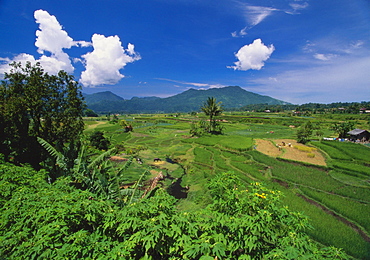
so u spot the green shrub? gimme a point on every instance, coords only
(57, 221)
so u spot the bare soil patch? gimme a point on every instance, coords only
(267, 147)
(95, 125)
(289, 152)
(117, 159)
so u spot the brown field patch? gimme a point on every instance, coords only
(291, 153)
(267, 147)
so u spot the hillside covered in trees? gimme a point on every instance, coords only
(187, 101)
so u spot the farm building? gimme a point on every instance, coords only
(359, 135)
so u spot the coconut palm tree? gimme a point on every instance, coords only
(212, 109)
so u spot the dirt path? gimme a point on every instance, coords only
(289, 152)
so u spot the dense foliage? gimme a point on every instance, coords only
(57, 221)
(35, 104)
(99, 141)
(337, 107)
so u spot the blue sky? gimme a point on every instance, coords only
(298, 51)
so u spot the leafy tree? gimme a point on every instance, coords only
(90, 113)
(127, 127)
(36, 104)
(199, 128)
(319, 133)
(304, 132)
(115, 119)
(343, 128)
(98, 140)
(212, 109)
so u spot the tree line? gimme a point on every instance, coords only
(336, 108)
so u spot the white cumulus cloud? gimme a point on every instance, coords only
(23, 58)
(103, 64)
(252, 56)
(52, 38)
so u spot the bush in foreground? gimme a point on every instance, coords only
(57, 221)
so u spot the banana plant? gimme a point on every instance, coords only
(98, 176)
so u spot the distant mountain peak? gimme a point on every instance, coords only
(187, 101)
(101, 96)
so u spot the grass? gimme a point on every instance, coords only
(349, 208)
(201, 158)
(352, 166)
(326, 228)
(224, 141)
(357, 181)
(355, 151)
(331, 151)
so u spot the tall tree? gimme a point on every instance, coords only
(35, 104)
(212, 109)
(343, 128)
(304, 132)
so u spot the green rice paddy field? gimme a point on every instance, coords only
(335, 197)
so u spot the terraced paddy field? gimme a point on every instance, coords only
(327, 181)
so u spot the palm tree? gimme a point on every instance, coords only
(212, 109)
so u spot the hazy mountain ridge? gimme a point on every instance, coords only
(187, 101)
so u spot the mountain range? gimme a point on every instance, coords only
(232, 97)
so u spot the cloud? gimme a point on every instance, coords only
(241, 33)
(297, 7)
(324, 57)
(23, 58)
(256, 14)
(198, 85)
(53, 39)
(103, 64)
(326, 83)
(252, 56)
(253, 15)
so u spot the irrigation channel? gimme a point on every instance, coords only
(175, 189)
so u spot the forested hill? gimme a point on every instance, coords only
(187, 101)
(101, 96)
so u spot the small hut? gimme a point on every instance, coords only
(359, 135)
